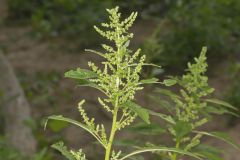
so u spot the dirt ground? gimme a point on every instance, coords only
(30, 55)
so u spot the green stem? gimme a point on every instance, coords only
(112, 134)
(114, 121)
(174, 157)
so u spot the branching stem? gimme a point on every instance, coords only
(113, 131)
(174, 157)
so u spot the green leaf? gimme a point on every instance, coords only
(162, 103)
(222, 136)
(157, 71)
(61, 118)
(220, 111)
(141, 112)
(162, 149)
(126, 44)
(151, 64)
(147, 129)
(80, 74)
(209, 152)
(126, 143)
(63, 150)
(169, 82)
(220, 102)
(96, 52)
(211, 156)
(182, 129)
(57, 126)
(146, 64)
(149, 81)
(85, 82)
(167, 93)
(204, 147)
(162, 116)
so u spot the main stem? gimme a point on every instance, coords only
(114, 122)
(113, 131)
(174, 157)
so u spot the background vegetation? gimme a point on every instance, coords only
(178, 30)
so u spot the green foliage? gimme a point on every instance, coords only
(141, 112)
(146, 8)
(169, 82)
(80, 74)
(187, 25)
(119, 80)
(162, 150)
(192, 109)
(40, 87)
(60, 18)
(209, 152)
(57, 126)
(21, 9)
(233, 95)
(147, 129)
(70, 155)
(188, 109)
(8, 152)
(67, 19)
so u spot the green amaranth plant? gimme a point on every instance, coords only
(188, 25)
(119, 80)
(191, 108)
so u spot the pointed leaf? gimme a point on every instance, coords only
(127, 44)
(169, 82)
(220, 102)
(163, 116)
(63, 150)
(157, 71)
(146, 64)
(162, 103)
(211, 156)
(147, 129)
(209, 152)
(61, 118)
(182, 129)
(80, 74)
(96, 52)
(219, 111)
(85, 82)
(151, 64)
(167, 93)
(126, 142)
(222, 136)
(149, 81)
(140, 111)
(57, 126)
(162, 149)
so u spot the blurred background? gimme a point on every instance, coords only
(41, 39)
